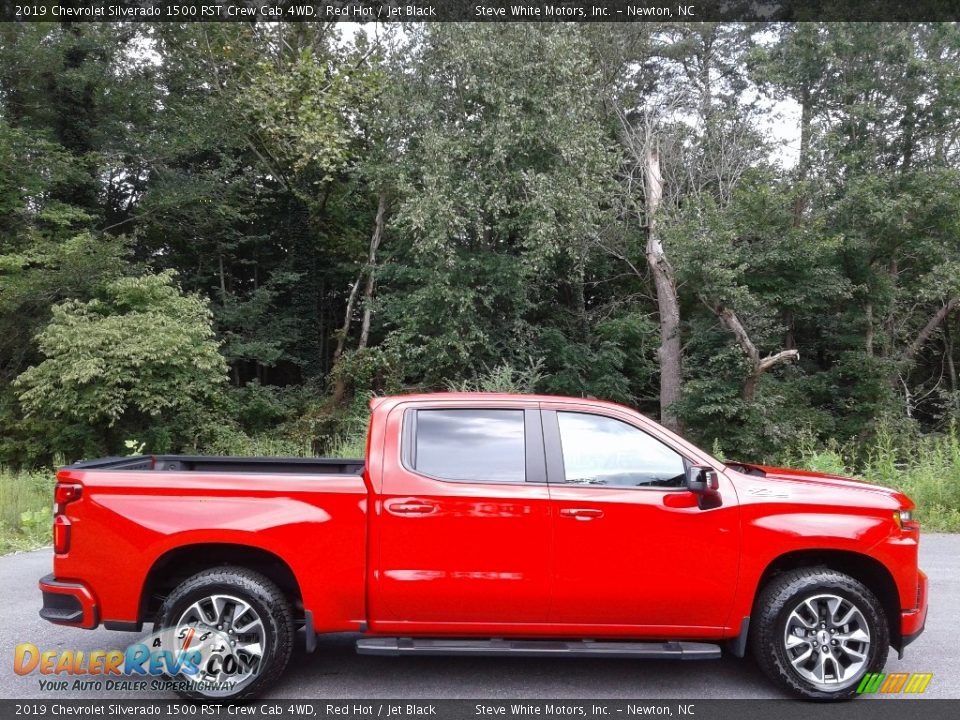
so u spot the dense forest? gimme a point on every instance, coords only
(225, 237)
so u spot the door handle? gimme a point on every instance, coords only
(581, 513)
(411, 508)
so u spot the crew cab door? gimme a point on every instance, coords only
(463, 520)
(631, 546)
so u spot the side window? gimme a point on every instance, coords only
(479, 445)
(600, 450)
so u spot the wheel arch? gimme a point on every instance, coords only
(863, 568)
(179, 563)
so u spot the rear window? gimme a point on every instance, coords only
(478, 445)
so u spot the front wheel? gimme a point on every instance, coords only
(817, 632)
(233, 630)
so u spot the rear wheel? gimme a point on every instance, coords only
(817, 632)
(236, 624)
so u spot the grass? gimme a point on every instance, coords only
(26, 509)
(238, 444)
(353, 445)
(925, 468)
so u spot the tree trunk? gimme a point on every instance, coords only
(868, 340)
(669, 354)
(803, 161)
(223, 281)
(340, 387)
(375, 240)
(758, 365)
(580, 296)
(789, 338)
(321, 309)
(890, 329)
(948, 353)
(909, 355)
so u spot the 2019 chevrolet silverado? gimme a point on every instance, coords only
(490, 524)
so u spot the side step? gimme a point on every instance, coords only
(538, 648)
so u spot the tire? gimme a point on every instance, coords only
(784, 616)
(227, 613)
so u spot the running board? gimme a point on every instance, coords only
(539, 648)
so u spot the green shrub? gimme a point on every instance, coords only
(230, 440)
(503, 378)
(26, 502)
(140, 360)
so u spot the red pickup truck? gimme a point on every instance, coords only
(486, 524)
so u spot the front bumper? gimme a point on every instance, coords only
(912, 622)
(68, 603)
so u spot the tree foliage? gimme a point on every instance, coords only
(140, 360)
(316, 216)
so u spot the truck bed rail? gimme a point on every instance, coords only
(215, 463)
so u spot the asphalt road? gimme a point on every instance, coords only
(336, 671)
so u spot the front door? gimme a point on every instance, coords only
(632, 547)
(464, 522)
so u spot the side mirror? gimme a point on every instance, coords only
(701, 479)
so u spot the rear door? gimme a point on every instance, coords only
(632, 547)
(463, 520)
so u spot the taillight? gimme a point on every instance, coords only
(63, 495)
(61, 534)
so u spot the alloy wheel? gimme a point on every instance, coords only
(827, 641)
(231, 639)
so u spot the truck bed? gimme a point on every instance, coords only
(217, 463)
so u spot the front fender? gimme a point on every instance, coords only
(770, 534)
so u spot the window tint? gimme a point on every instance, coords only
(481, 445)
(602, 451)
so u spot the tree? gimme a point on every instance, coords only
(139, 361)
(689, 139)
(68, 94)
(502, 188)
(604, 203)
(881, 136)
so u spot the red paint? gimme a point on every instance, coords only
(405, 553)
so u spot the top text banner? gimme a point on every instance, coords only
(477, 10)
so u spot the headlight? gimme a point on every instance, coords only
(903, 518)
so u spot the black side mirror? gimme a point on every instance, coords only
(701, 479)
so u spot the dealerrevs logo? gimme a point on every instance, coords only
(192, 658)
(138, 659)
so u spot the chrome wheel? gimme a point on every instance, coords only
(231, 639)
(827, 641)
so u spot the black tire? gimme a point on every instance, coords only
(768, 632)
(263, 597)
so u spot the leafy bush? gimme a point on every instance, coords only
(370, 370)
(232, 441)
(262, 408)
(503, 378)
(138, 361)
(26, 500)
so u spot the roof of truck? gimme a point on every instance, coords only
(468, 396)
